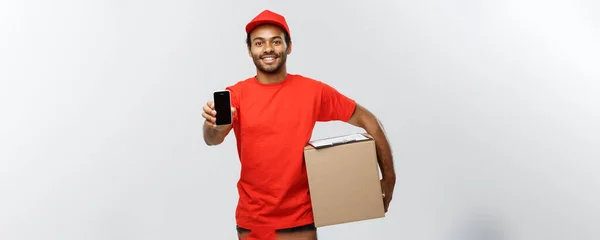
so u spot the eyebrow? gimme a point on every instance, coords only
(260, 38)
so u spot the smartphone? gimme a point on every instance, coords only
(222, 101)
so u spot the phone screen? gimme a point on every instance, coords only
(222, 102)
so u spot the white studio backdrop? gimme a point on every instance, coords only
(491, 108)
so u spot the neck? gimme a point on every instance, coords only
(271, 78)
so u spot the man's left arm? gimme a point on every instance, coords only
(334, 105)
(366, 120)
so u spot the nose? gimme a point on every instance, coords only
(268, 48)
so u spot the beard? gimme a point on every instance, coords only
(280, 59)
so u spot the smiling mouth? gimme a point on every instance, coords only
(269, 59)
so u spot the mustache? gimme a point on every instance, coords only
(271, 54)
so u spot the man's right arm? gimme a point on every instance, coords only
(215, 135)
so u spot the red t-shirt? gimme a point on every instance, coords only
(272, 125)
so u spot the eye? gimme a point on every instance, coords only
(276, 42)
(258, 43)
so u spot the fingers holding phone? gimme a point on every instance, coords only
(219, 112)
(209, 113)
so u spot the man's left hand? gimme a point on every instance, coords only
(387, 188)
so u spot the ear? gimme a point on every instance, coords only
(249, 48)
(289, 48)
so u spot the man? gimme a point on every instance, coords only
(274, 115)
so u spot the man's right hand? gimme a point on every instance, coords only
(213, 134)
(210, 115)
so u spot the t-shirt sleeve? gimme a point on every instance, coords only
(334, 105)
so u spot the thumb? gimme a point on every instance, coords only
(233, 110)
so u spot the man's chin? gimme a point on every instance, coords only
(270, 69)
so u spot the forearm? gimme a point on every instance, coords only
(383, 149)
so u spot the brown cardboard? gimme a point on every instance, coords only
(344, 182)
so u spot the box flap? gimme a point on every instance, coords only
(335, 141)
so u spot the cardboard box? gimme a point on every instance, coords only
(344, 180)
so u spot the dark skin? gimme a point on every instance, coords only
(268, 41)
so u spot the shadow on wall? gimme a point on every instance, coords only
(480, 227)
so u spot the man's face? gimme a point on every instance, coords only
(268, 48)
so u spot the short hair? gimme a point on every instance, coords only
(286, 37)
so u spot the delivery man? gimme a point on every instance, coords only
(274, 115)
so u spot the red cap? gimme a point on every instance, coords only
(267, 16)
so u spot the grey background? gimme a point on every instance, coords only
(491, 108)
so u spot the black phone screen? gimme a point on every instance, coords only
(222, 102)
